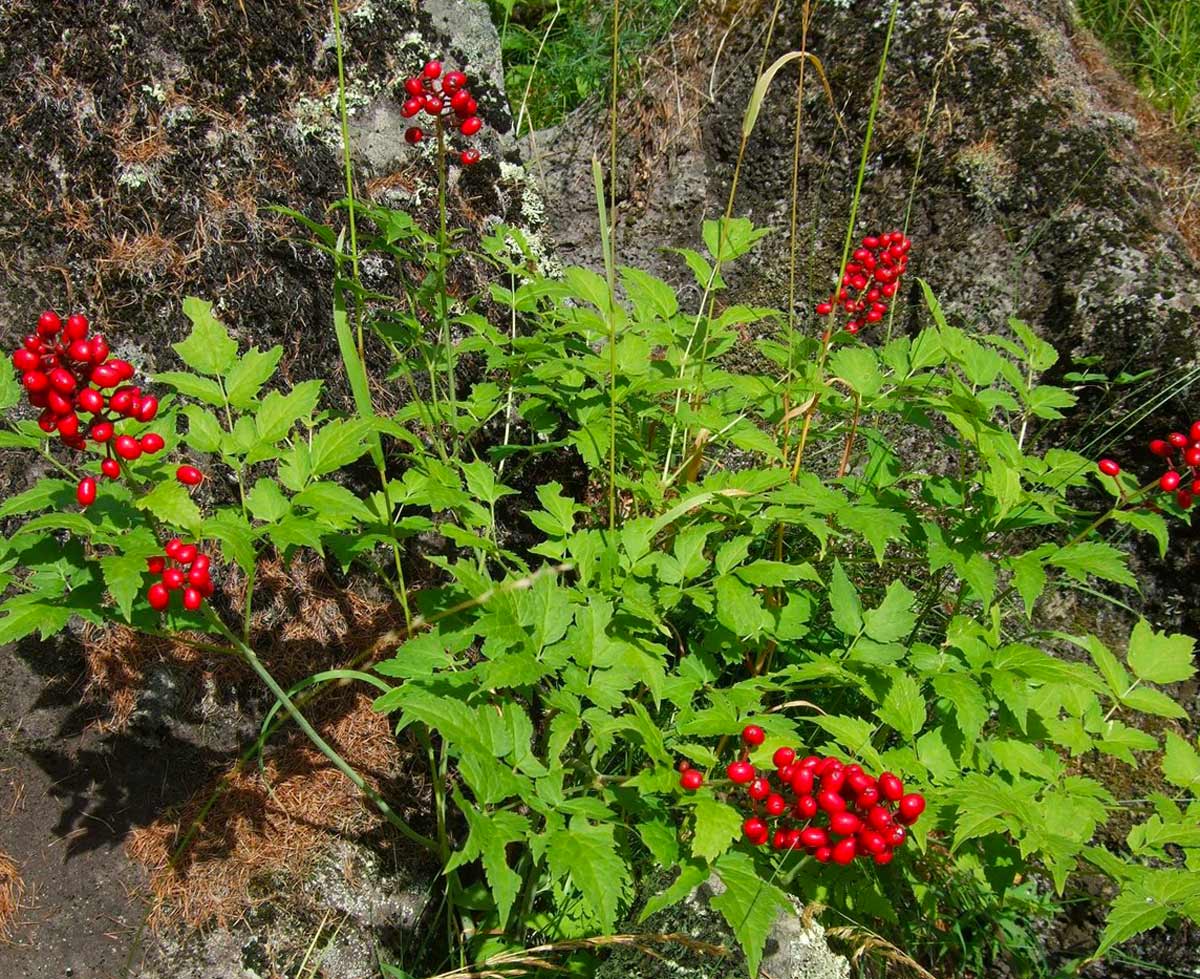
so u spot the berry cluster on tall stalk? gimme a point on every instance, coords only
(183, 569)
(872, 278)
(835, 812)
(447, 100)
(1181, 454)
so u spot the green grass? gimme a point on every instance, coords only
(575, 60)
(1158, 43)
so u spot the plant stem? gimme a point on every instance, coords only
(443, 299)
(335, 759)
(344, 114)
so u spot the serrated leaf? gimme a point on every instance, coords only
(1093, 558)
(749, 904)
(844, 605)
(1153, 524)
(1159, 658)
(10, 390)
(1181, 764)
(236, 537)
(209, 348)
(26, 614)
(278, 413)
(857, 365)
(558, 517)
(716, 826)
(1150, 701)
(246, 377)
(894, 619)
(488, 839)
(190, 385)
(1029, 578)
(123, 577)
(266, 501)
(296, 532)
(204, 431)
(588, 855)
(1147, 902)
(334, 504)
(967, 702)
(692, 873)
(739, 609)
(169, 501)
(44, 493)
(903, 707)
(338, 443)
(482, 483)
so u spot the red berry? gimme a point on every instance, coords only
(122, 400)
(185, 553)
(896, 836)
(49, 323)
(1109, 467)
(414, 135)
(830, 801)
(1184, 499)
(758, 789)
(459, 101)
(471, 125)
(110, 467)
(81, 351)
(172, 547)
(813, 836)
(806, 807)
(867, 797)
(158, 596)
(845, 851)
(785, 773)
(202, 562)
(470, 157)
(173, 578)
(99, 352)
(691, 780)
(1195, 432)
(844, 823)
(879, 818)
(26, 360)
(775, 805)
(1178, 439)
(833, 779)
(77, 326)
(411, 107)
(151, 442)
(1192, 456)
(68, 425)
(754, 828)
(127, 447)
(156, 565)
(910, 807)
(90, 400)
(1169, 481)
(189, 475)
(783, 756)
(740, 772)
(105, 376)
(432, 104)
(101, 431)
(147, 409)
(414, 87)
(885, 857)
(453, 81)
(123, 368)
(891, 787)
(822, 854)
(753, 735)
(824, 309)
(85, 492)
(57, 403)
(35, 381)
(802, 780)
(432, 69)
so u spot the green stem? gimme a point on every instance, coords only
(443, 299)
(343, 112)
(310, 732)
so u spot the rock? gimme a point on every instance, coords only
(795, 948)
(1039, 189)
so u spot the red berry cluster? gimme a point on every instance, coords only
(835, 812)
(1182, 456)
(66, 373)
(184, 568)
(446, 98)
(869, 280)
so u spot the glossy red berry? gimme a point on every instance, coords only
(753, 735)
(85, 492)
(127, 447)
(49, 323)
(151, 442)
(691, 780)
(1109, 467)
(758, 788)
(844, 823)
(147, 409)
(158, 596)
(414, 135)
(26, 360)
(806, 807)
(470, 157)
(77, 326)
(830, 801)
(172, 547)
(185, 553)
(1195, 431)
(414, 87)
(411, 107)
(471, 125)
(845, 851)
(754, 828)
(173, 578)
(1178, 440)
(910, 807)
(459, 102)
(783, 756)
(35, 382)
(101, 431)
(1184, 499)
(202, 562)
(453, 81)
(891, 787)
(110, 467)
(1169, 481)
(740, 772)
(189, 475)
(775, 805)
(156, 565)
(432, 69)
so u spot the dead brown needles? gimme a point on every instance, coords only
(12, 888)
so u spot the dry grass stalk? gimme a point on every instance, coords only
(12, 888)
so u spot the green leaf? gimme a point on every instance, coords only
(169, 501)
(26, 614)
(739, 609)
(1148, 523)
(857, 365)
(692, 873)
(588, 855)
(123, 576)
(1093, 558)
(894, 619)
(192, 386)
(10, 390)
(334, 504)
(338, 443)
(750, 905)
(236, 537)
(1159, 658)
(717, 825)
(903, 707)
(1150, 701)
(204, 431)
(278, 413)
(482, 483)
(843, 602)
(209, 348)
(266, 501)
(558, 518)
(247, 376)
(1181, 764)
(44, 493)
(1029, 578)
(1147, 902)
(1045, 400)
(489, 837)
